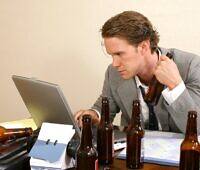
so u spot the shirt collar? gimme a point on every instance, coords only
(139, 83)
(158, 51)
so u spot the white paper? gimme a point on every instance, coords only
(119, 145)
(163, 148)
(160, 150)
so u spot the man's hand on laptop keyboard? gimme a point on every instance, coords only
(78, 116)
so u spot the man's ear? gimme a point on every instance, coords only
(144, 47)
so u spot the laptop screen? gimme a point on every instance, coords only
(45, 102)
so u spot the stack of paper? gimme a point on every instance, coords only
(162, 148)
(49, 151)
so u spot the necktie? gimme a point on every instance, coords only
(153, 122)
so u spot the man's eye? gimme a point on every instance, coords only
(119, 54)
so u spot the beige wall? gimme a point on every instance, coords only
(59, 41)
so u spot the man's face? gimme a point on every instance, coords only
(126, 58)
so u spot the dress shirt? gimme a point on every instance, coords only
(171, 95)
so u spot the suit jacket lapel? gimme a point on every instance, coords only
(128, 92)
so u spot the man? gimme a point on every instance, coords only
(132, 42)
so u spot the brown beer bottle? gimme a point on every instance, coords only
(86, 156)
(134, 140)
(105, 135)
(190, 148)
(11, 134)
(155, 88)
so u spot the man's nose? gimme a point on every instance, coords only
(116, 61)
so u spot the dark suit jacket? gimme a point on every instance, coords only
(172, 117)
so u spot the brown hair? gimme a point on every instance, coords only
(131, 26)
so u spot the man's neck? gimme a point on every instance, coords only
(147, 72)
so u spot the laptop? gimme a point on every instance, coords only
(45, 102)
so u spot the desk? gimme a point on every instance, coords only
(121, 165)
(117, 165)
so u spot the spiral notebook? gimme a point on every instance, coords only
(50, 148)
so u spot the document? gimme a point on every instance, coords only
(119, 145)
(49, 151)
(162, 148)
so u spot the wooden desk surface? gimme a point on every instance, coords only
(121, 165)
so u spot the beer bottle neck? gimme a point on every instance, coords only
(19, 131)
(8, 134)
(135, 120)
(191, 130)
(105, 113)
(86, 136)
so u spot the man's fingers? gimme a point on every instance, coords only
(79, 122)
(78, 117)
(78, 114)
(164, 58)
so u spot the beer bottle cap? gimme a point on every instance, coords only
(136, 102)
(104, 100)
(192, 114)
(86, 118)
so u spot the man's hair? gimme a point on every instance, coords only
(131, 26)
